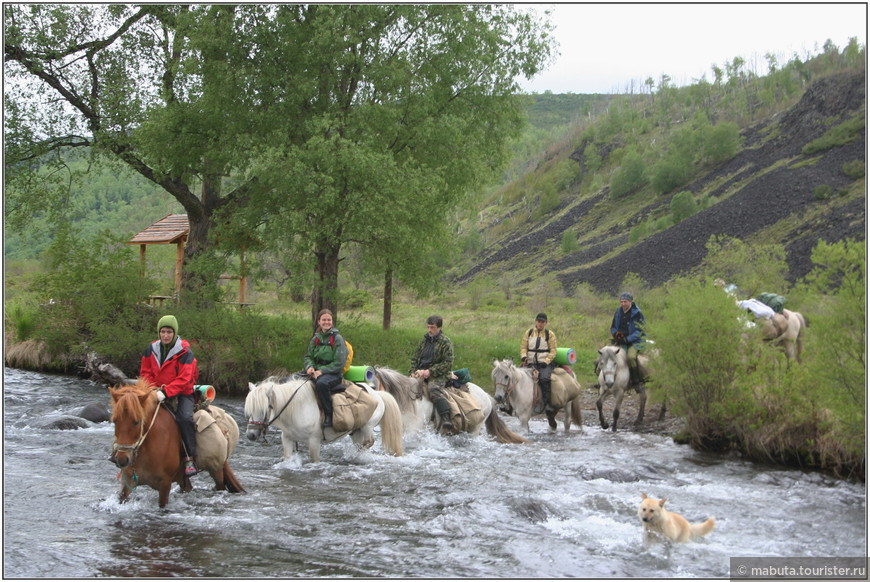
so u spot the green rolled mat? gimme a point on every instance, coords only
(360, 374)
(565, 357)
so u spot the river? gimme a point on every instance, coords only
(559, 506)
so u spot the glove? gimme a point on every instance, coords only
(161, 395)
(620, 337)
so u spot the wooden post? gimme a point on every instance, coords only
(142, 260)
(179, 260)
(243, 280)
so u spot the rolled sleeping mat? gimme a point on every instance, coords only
(360, 374)
(565, 357)
(206, 392)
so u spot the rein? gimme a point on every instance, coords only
(143, 434)
(266, 424)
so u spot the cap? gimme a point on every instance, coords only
(168, 321)
(626, 296)
(541, 317)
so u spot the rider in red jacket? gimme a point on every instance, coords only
(169, 364)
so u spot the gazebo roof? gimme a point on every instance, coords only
(172, 228)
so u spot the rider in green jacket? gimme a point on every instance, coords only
(324, 362)
(432, 362)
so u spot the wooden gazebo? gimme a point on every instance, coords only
(174, 229)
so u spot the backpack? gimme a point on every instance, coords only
(772, 300)
(332, 345)
(546, 333)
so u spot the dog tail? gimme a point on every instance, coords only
(702, 529)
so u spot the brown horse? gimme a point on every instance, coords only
(147, 446)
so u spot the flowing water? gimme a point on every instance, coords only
(560, 506)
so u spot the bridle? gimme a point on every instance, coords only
(143, 434)
(508, 386)
(265, 423)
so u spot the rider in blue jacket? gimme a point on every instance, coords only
(627, 332)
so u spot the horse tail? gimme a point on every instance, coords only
(497, 428)
(391, 425)
(577, 413)
(230, 481)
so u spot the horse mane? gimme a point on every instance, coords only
(128, 400)
(509, 364)
(299, 380)
(396, 384)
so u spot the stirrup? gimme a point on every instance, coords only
(190, 468)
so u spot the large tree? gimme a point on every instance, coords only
(311, 124)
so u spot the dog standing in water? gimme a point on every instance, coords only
(659, 522)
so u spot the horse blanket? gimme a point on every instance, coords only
(562, 389)
(465, 412)
(352, 408)
(216, 435)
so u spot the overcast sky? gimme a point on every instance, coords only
(603, 47)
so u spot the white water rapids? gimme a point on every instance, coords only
(559, 506)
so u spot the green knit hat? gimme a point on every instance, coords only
(168, 321)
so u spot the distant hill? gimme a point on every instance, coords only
(779, 187)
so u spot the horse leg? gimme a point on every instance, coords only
(218, 476)
(600, 405)
(551, 419)
(364, 438)
(662, 411)
(163, 490)
(314, 448)
(620, 394)
(289, 446)
(125, 493)
(641, 408)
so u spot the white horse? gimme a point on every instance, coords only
(418, 411)
(786, 329)
(613, 379)
(515, 387)
(290, 404)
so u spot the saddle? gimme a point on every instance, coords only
(352, 408)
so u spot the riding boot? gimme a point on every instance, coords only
(325, 397)
(442, 407)
(634, 378)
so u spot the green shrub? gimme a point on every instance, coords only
(683, 206)
(854, 169)
(638, 232)
(697, 367)
(720, 142)
(838, 135)
(670, 173)
(569, 242)
(356, 298)
(629, 177)
(23, 319)
(823, 192)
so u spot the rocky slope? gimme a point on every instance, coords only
(769, 181)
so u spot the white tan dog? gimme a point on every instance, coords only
(659, 522)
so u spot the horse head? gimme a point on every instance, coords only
(133, 410)
(610, 360)
(503, 378)
(257, 410)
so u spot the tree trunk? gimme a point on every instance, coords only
(325, 294)
(200, 218)
(388, 298)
